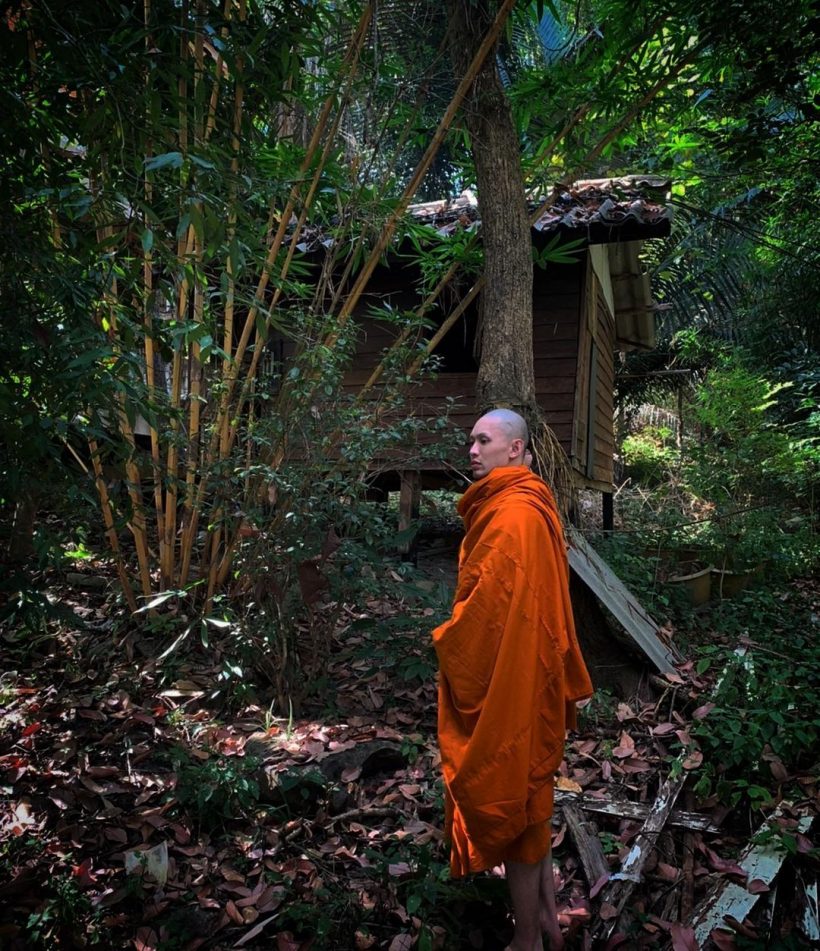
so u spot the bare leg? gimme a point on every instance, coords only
(548, 909)
(524, 882)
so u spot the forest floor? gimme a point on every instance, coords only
(144, 808)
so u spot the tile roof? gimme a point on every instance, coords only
(599, 209)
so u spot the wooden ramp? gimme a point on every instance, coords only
(620, 602)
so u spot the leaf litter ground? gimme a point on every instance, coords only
(138, 812)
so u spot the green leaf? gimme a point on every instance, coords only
(166, 160)
(147, 240)
(157, 601)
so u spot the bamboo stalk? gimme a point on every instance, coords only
(442, 331)
(230, 297)
(426, 304)
(211, 550)
(283, 273)
(210, 122)
(138, 523)
(389, 227)
(147, 315)
(421, 169)
(222, 419)
(110, 529)
(194, 417)
(195, 362)
(183, 245)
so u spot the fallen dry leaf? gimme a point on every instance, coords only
(567, 785)
(402, 942)
(146, 940)
(723, 940)
(598, 885)
(607, 911)
(683, 938)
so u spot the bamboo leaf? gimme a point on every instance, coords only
(166, 160)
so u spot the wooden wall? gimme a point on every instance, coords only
(573, 341)
(556, 311)
(593, 444)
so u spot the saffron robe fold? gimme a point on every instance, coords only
(510, 673)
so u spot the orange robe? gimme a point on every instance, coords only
(511, 672)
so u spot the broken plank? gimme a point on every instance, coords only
(585, 836)
(687, 896)
(620, 602)
(762, 862)
(809, 922)
(623, 809)
(621, 885)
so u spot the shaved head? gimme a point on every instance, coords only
(514, 424)
(499, 438)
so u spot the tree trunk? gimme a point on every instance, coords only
(506, 375)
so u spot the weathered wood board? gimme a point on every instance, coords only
(624, 809)
(620, 602)
(760, 862)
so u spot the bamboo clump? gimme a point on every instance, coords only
(207, 405)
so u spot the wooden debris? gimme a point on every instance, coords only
(622, 884)
(809, 922)
(623, 809)
(585, 834)
(623, 605)
(761, 863)
(687, 896)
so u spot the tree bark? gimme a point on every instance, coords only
(506, 374)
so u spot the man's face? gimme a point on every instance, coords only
(490, 446)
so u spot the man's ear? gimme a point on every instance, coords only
(516, 448)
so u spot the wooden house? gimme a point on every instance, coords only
(583, 313)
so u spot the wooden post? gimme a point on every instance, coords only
(608, 511)
(409, 499)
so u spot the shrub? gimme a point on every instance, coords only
(647, 454)
(220, 788)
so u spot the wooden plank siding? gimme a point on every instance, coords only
(555, 341)
(593, 461)
(603, 433)
(570, 312)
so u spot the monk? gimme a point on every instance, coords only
(511, 673)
